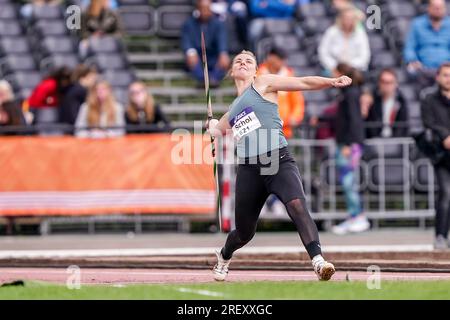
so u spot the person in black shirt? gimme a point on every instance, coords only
(142, 113)
(349, 140)
(388, 115)
(436, 116)
(84, 77)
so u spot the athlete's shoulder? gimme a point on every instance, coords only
(264, 80)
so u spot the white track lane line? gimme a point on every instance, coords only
(16, 254)
(207, 293)
(232, 275)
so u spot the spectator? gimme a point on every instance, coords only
(10, 112)
(349, 140)
(344, 43)
(262, 9)
(83, 78)
(291, 104)
(100, 116)
(142, 110)
(45, 98)
(436, 117)
(98, 20)
(216, 43)
(428, 44)
(388, 115)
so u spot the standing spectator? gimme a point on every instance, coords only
(344, 43)
(291, 104)
(388, 115)
(142, 110)
(10, 112)
(46, 97)
(100, 116)
(83, 78)
(262, 9)
(436, 116)
(97, 21)
(349, 140)
(428, 44)
(216, 43)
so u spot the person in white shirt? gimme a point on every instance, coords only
(100, 116)
(345, 42)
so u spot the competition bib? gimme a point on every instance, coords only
(244, 123)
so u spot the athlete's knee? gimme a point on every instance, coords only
(296, 206)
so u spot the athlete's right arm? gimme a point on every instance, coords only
(219, 127)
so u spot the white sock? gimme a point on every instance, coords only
(317, 259)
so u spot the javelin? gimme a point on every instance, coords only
(210, 116)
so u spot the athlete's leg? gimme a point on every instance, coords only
(287, 185)
(250, 197)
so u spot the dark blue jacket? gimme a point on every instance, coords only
(215, 38)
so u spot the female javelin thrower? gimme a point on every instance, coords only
(265, 165)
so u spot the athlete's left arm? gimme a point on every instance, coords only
(274, 83)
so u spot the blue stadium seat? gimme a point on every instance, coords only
(11, 45)
(397, 174)
(138, 20)
(59, 60)
(7, 11)
(171, 20)
(17, 62)
(62, 44)
(10, 27)
(108, 61)
(119, 78)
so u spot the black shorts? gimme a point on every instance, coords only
(273, 173)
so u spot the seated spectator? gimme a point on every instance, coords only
(344, 43)
(262, 9)
(100, 116)
(388, 115)
(427, 45)
(216, 43)
(96, 21)
(46, 97)
(83, 78)
(10, 112)
(291, 104)
(142, 110)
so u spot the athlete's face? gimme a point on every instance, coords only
(244, 66)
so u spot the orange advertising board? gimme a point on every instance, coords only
(132, 174)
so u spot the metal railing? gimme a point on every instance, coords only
(395, 181)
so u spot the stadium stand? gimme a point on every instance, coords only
(150, 52)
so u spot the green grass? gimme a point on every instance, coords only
(243, 290)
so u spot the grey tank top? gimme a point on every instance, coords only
(256, 124)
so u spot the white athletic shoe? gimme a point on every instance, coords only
(359, 224)
(323, 269)
(220, 270)
(354, 225)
